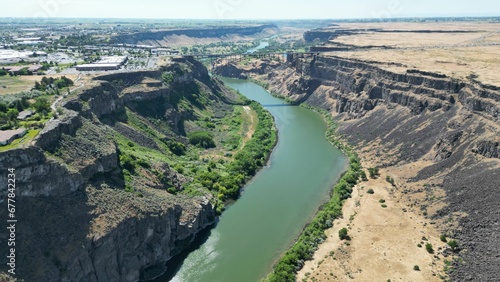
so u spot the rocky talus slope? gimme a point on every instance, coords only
(76, 221)
(450, 126)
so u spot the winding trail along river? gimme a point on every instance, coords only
(274, 206)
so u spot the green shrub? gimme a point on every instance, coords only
(128, 162)
(202, 138)
(370, 191)
(390, 180)
(443, 238)
(343, 234)
(3, 107)
(416, 268)
(143, 164)
(374, 172)
(167, 77)
(428, 248)
(362, 173)
(176, 147)
(42, 105)
(453, 245)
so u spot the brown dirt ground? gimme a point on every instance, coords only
(383, 241)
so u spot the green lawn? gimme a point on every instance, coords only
(21, 141)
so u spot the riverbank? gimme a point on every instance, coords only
(265, 220)
(418, 142)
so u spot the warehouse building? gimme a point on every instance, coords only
(105, 64)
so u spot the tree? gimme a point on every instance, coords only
(3, 107)
(19, 105)
(39, 86)
(343, 234)
(176, 148)
(202, 138)
(12, 114)
(42, 105)
(3, 72)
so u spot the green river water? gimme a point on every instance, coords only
(274, 207)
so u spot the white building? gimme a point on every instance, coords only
(13, 56)
(105, 64)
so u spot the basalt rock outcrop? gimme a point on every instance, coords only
(76, 222)
(415, 116)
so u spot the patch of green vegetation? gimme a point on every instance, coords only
(343, 234)
(363, 175)
(453, 244)
(176, 147)
(226, 184)
(210, 130)
(202, 138)
(429, 248)
(53, 84)
(390, 180)
(374, 172)
(370, 191)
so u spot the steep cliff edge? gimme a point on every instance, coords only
(203, 32)
(92, 200)
(445, 129)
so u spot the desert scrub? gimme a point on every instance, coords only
(374, 172)
(390, 180)
(428, 248)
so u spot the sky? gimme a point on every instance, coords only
(248, 9)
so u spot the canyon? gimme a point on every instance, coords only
(437, 136)
(82, 216)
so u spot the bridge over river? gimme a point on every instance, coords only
(238, 57)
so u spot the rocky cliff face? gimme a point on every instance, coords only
(407, 117)
(76, 223)
(195, 33)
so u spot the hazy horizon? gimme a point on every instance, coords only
(248, 10)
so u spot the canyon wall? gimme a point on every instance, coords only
(446, 127)
(76, 222)
(215, 32)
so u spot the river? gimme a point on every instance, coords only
(274, 207)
